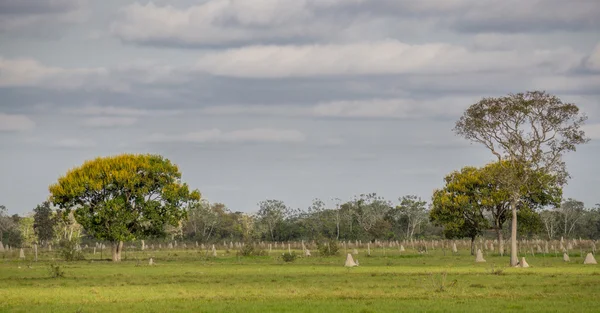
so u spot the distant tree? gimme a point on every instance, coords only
(570, 213)
(550, 221)
(9, 232)
(204, 219)
(458, 206)
(124, 197)
(44, 222)
(531, 131)
(316, 218)
(270, 214)
(337, 217)
(26, 230)
(6, 222)
(370, 210)
(415, 211)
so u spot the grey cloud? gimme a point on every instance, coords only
(39, 17)
(592, 131)
(21, 7)
(381, 57)
(15, 123)
(217, 23)
(73, 143)
(109, 121)
(378, 108)
(256, 135)
(27, 72)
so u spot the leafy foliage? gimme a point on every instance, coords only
(458, 206)
(68, 250)
(529, 133)
(271, 213)
(44, 222)
(124, 197)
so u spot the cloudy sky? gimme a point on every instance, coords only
(285, 99)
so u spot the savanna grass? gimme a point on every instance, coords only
(191, 281)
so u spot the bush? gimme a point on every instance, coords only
(55, 270)
(289, 257)
(250, 249)
(68, 250)
(328, 247)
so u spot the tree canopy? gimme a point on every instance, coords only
(475, 199)
(531, 132)
(124, 197)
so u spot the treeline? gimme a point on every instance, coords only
(366, 217)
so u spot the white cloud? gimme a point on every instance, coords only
(15, 123)
(109, 121)
(381, 57)
(29, 73)
(256, 135)
(26, 72)
(370, 108)
(220, 22)
(216, 22)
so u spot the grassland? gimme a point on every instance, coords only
(187, 281)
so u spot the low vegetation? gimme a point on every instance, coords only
(186, 281)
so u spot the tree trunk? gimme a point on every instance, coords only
(514, 258)
(472, 245)
(117, 247)
(500, 241)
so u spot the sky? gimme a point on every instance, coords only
(282, 99)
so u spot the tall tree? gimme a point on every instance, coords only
(27, 232)
(570, 212)
(124, 197)
(531, 131)
(271, 213)
(550, 220)
(6, 222)
(203, 219)
(370, 210)
(541, 191)
(415, 211)
(44, 222)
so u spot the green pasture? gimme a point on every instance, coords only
(188, 281)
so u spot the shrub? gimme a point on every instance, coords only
(289, 257)
(328, 247)
(68, 250)
(55, 270)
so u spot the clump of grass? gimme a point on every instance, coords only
(289, 257)
(440, 284)
(494, 271)
(55, 270)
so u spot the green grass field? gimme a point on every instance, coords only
(186, 281)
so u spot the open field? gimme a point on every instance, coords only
(184, 280)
